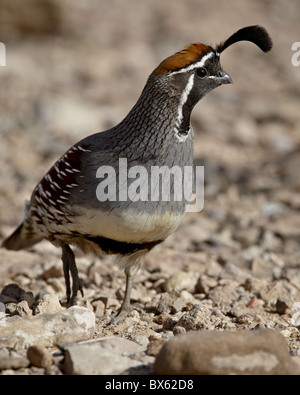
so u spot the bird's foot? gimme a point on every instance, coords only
(120, 315)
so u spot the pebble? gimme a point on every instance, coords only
(261, 352)
(181, 280)
(39, 356)
(281, 306)
(12, 360)
(224, 293)
(71, 325)
(171, 302)
(197, 318)
(155, 346)
(109, 356)
(48, 304)
(23, 310)
(204, 284)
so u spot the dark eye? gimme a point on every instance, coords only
(201, 72)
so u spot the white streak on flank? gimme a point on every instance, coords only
(48, 177)
(52, 202)
(83, 149)
(43, 194)
(56, 184)
(196, 65)
(183, 99)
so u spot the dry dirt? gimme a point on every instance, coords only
(74, 68)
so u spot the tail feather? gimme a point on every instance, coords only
(20, 240)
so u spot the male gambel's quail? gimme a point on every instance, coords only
(64, 207)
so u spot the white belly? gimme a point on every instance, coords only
(127, 226)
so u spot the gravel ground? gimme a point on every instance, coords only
(74, 68)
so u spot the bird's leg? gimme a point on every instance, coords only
(66, 268)
(130, 272)
(69, 266)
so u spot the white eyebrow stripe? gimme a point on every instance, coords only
(195, 65)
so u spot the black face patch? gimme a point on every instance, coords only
(211, 67)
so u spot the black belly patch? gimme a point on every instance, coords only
(110, 246)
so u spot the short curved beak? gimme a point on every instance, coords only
(223, 78)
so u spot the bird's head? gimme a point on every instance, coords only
(196, 70)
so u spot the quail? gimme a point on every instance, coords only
(77, 203)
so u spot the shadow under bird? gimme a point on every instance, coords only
(64, 207)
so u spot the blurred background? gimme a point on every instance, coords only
(77, 67)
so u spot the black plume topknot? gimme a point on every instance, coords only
(255, 34)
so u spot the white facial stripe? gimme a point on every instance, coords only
(183, 99)
(196, 65)
(186, 92)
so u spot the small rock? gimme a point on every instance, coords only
(247, 237)
(109, 302)
(167, 321)
(71, 325)
(255, 284)
(48, 304)
(23, 310)
(281, 306)
(10, 308)
(262, 268)
(272, 291)
(272, 209)
(204, 284)
(53, 272)
(171, 303)
(98, 307)
(39, 356)
(13, 291)
(7, 299)
(114, 355)
(224, 294)
(29, 298)
(253, 303)
(142, 340)
(197, 318)
(12, 360)
(181, 280)
(155, 346)
(261, 352)
(178, 330)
